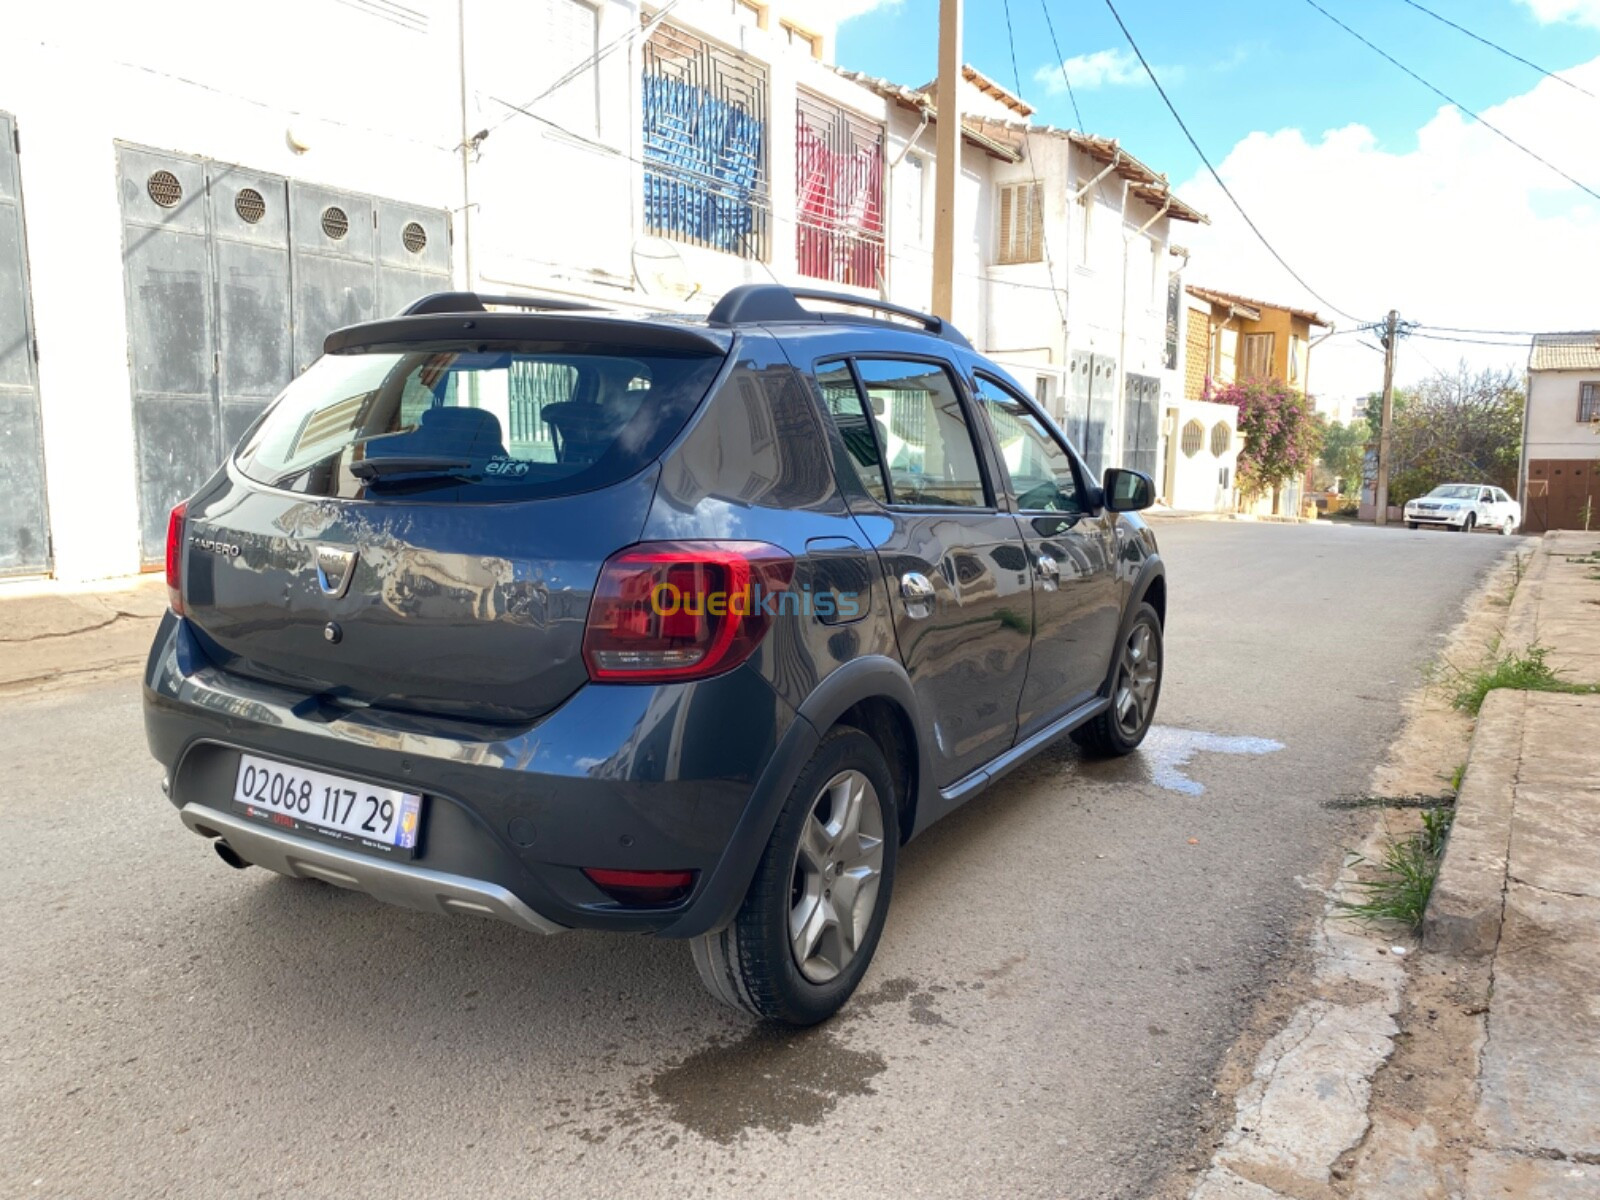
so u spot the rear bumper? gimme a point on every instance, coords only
(392, 882)
(684, 776)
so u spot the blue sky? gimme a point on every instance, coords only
(1378, 193)
(1238, 67)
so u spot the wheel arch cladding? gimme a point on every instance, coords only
(889, 725)
(874, 694)
(1155, 595)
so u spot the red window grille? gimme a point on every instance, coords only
(839, 201)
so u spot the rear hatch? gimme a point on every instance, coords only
(419, 521)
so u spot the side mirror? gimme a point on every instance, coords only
(1127, 491)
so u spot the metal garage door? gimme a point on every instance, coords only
(233, 280)
(1091, 403)
(1141, 427)
(24, 520)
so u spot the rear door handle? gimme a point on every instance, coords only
(917, 592)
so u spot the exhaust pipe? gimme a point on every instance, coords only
(229, 855)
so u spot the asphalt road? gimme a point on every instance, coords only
(1066, 962)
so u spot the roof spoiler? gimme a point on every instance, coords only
(473, 302)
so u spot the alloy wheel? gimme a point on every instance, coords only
(837, 869)
(1135, 694)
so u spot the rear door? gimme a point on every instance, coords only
(954, 562)
(1070, 548)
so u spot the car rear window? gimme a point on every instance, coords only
(474, 424)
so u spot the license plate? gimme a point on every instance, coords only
(297, 798)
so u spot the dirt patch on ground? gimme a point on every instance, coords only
(1423, 1098)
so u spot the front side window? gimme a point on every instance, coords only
(475, 424)
(1041, 471)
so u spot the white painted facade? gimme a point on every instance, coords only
(1554, 429)
(379, 98)
(1202, 456)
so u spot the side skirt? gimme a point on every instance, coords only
(964, 789)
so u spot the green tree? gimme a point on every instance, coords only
(1463, 426)
(1344, 451)
(1280, 430)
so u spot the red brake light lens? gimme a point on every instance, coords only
(642, 887)
(175, 524)
(671, 611)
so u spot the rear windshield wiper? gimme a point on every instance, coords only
(412, 464)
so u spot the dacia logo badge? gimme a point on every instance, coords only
(334, 568)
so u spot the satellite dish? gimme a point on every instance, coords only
(661, 273)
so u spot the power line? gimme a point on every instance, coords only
(582, 68)
(1524, 333)
(1321, 299)
(1033, 171)
(1448, 99)
(1437, 337)
(1071, 95)
(1495, 46)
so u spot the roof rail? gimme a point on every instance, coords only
(753, 303)
(470, 302)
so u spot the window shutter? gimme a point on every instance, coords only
(1035, 222)
(1006, 231)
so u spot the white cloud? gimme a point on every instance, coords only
(1103, 68)
(1584, 12)
(1462, 230)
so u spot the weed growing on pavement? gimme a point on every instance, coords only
(1402, 880)
(1526, 672)
(1457, 776)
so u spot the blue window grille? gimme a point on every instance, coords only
(705, 145)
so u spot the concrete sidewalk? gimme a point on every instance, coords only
(1519, 891)
(52, 634)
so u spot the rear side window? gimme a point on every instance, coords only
(475, 424)
(921, 439)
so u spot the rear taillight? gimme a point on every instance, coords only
(645, 888)
(667, 611)
(175, 558)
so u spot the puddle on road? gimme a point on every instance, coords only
(768, 1079)
(1165, 753)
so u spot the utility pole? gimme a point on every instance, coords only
(1391, 334)
(947, 148)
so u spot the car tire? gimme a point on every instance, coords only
(1509, 527)
(817, 845)
(1411, 525)
(1467, 525)
(1119, 730)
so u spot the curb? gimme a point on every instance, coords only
(1463, 914)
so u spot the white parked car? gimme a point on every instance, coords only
(1465, 506)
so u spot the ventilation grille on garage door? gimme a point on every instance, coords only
(414, 237)
(249, 205)
(164, 189)
(334, 222)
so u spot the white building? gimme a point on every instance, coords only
(1559, 482)
(185, 212)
